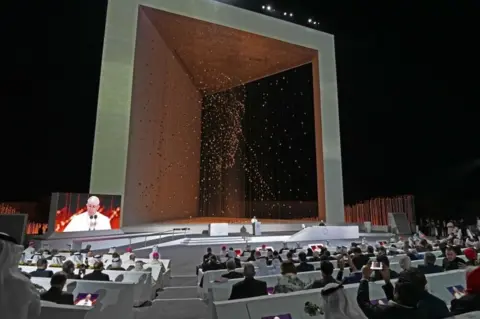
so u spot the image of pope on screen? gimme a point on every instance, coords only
(90, 220)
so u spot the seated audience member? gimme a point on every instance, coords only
(402, 301)
(405, 263)
(432, 306)
(252, 256)
(232, 274)
(18, 297)
(55, 293)
(276, 255)
(223, 252)
(429, 266)
(116, 264)
(471, 301)
(471, 256)
(451, 261)
(337, 305)
(211, 264)
(207, 256)
(284, 248)
(29, 251)
(327, 256)
(155, 250)
(97, 274)
(42, 271)
(36, 257)
(57, 260)
(246, 251)
(316, 256)
(386, 265)
(355, 274)
(76, 258)
(309, 252)
(130, 263)
(156, 261)
(249, 287)
(304, 266)
(381, 251)
(288, 282)
(370, 252)
(326, 268)
(139, 266)
(86, 250)
(359, 259)
(112, 250)
(290, 256)
(68, 269)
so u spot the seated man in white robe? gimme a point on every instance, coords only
(29, 251)
(156, 261)
(90, 220)
(76, 258)
(36, 257)
(57, 261)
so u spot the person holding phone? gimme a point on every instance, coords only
(383, 264)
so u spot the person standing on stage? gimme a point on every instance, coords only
(254, 222)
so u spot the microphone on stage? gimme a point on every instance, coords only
(93, 222)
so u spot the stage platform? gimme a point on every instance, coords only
(194, 232)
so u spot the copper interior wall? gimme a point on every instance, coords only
(162, 181)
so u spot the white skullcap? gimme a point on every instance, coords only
(94, 200)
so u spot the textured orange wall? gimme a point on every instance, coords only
(162, 180)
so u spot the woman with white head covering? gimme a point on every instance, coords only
(18, 297)
(77, 259)
(336, 304)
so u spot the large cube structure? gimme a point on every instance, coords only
(160, 59)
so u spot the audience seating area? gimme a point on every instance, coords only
(293, 303)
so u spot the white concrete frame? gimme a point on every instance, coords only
(113, 115)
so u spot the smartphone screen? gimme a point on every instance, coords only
(376, 265)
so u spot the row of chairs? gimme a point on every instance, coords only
(441, 285)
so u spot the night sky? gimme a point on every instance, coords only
(406, 76)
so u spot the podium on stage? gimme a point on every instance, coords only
(257, 228)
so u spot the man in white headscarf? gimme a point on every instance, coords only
(77, 259)
(336, 304)
(89, 220)
(116, 264)
(36, 257)
(112, 250)
(57, 260)
(18, 297)
(29, 251)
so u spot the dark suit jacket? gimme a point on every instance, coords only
(390, 311)
(232, 275)
(57, 296)
(467, 303)
(354, 278)
(248, 288)
(322, 282)
(97, 276)
(452, 265)
(429, 269)
(433, 306)
(304, 267)
(42, 273)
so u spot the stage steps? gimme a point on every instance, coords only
(205, 241)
